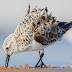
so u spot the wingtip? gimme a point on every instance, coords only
(70, 21)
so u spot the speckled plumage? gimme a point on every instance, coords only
(37, 31)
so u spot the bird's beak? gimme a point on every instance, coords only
(7, 60)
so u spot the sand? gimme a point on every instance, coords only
(37, 70)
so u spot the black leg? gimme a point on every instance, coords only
(42, 65)
(40, 59)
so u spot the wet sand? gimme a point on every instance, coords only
(37, 70)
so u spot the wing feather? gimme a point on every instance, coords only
(40, 39)
(46, 34)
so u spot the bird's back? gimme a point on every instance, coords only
(40, 27)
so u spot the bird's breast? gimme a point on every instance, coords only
(35, 46)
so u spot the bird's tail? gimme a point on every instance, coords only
(66, 26)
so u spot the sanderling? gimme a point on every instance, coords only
(36, 32)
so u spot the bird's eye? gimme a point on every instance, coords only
(7, 48)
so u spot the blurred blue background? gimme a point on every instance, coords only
(12, 12)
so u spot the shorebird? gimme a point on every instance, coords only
(36, 32)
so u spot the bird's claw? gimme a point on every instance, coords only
(42, 65)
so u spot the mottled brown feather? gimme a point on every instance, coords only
(39, 38)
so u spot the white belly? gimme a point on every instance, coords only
(37, 46)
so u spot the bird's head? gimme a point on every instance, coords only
(9, 47)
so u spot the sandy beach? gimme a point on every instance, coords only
(37, 70)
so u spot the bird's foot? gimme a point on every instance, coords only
(42, 65)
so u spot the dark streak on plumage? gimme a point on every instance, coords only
(46, 9)
(33, 25)
(38, 23)
(43, 17)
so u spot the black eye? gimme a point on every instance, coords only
(7, 48)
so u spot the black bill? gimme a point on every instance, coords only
(7, 60)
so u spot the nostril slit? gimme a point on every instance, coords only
(7, 48)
